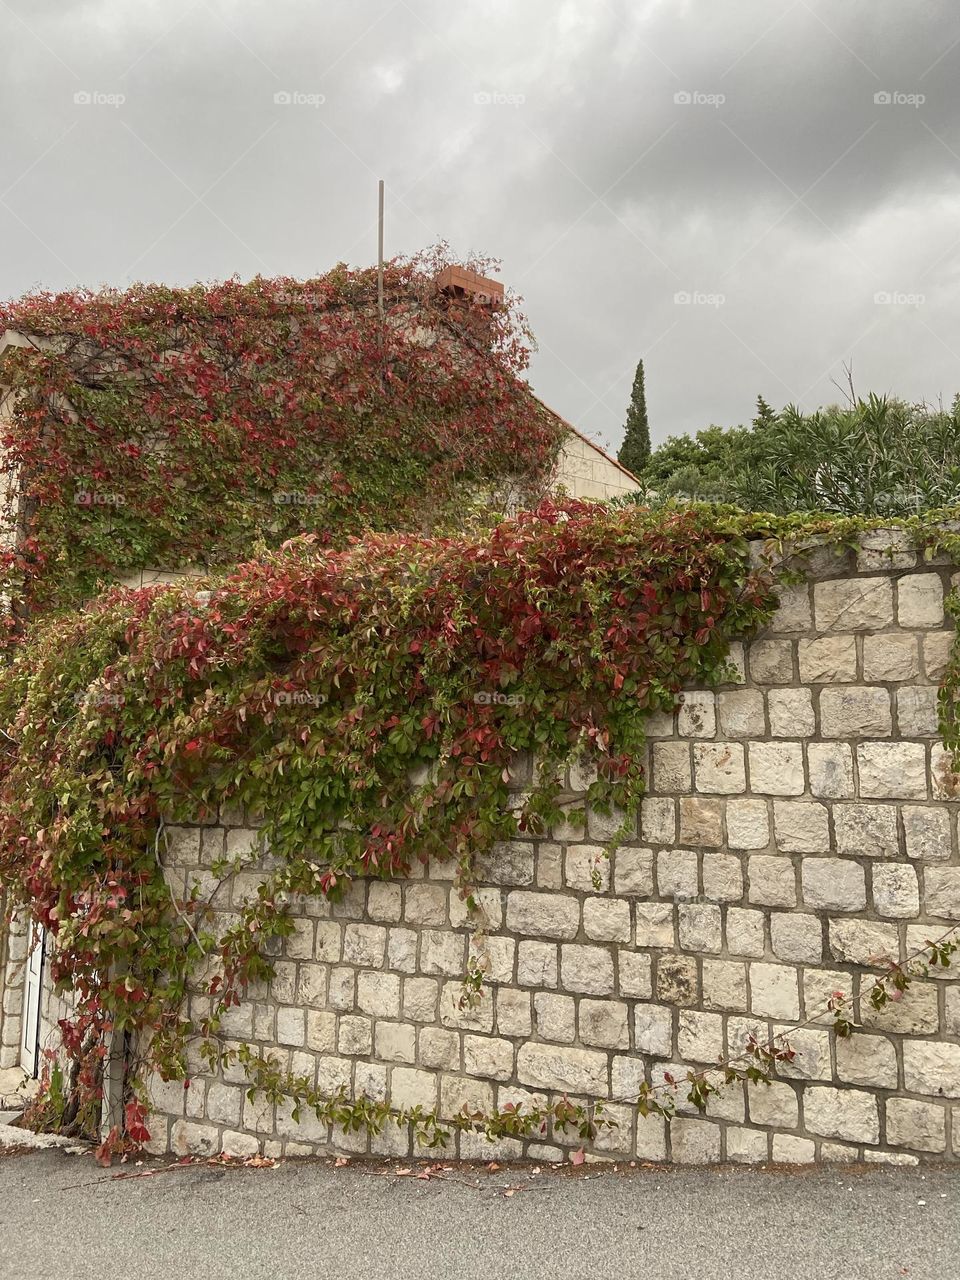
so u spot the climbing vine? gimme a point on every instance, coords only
(187, 427)
(367, 703)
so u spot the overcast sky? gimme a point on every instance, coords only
(791, 167)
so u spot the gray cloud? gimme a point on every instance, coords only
(549, 135)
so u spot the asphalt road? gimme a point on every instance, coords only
(61, 1216)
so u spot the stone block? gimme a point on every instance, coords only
(920, 600)
(420, 997)
(771, 661)
(363, 945)
(537, 964)
(550, 859)
(697, 715)
(793, 612)
(917, 1012)
(854, 711)
(867, 1060)
(701, 821)
(831, 770)
(849, 1114)
(444, 952)
(378, 993)
(748, 825)
(699, 1036)
(936, 647)
(426, 904)
(609, 826)
(513, 1012)
(741, 713)
(635, 970)
(677, 980)
(586, 868)
(892, 770)
(932, 1068)
(604, 1024)
(546, 915)
(694, 1141)
(586, 969)
(459, 1093)
(776, 768)
(941, 892)
(944, 779)
(864, 942)
(790, 1150)
(886, 549)
(438, 1049)
(633, 872)
(654, 921)
(410, 1087)
(922, 1126)
(291, 1025)
(563, 1068)
(653, 1030)
(488, 1057)
(671, 767)
(772, 880)
(791, 713)
(509, 862)
(658, 822)
(651, 1142)
(774, 991)
(801, 826)
(328, 941)
(555, 1017)
(746, 1146)
(724, 985)
(835, 884)
(891, 658)
(722, 877)
(719, 768)
(461, 1017)
(773, 1104)
(321, 1030)
(699, 927)
(796, 937)
(828, 659)
(606, 919)
(896, 893)
(384, 902)
(866, 831)
(853, 604)
(677, 873)
(744, 932)
(917, 711)
(927, 832)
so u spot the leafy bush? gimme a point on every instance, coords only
(875, 457)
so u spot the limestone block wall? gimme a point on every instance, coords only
(800, 825)
(14, 944)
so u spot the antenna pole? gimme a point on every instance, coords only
(380, 253)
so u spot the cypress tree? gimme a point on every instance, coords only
(635, 450)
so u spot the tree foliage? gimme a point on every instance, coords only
(874, 457)
(635, 450)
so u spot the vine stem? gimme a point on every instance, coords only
(819, 1011)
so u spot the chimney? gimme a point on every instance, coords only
(461, 282)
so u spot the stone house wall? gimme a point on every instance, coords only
(800, 824)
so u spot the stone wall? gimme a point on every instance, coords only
(800, 825)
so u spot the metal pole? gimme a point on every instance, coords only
(380, 255)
